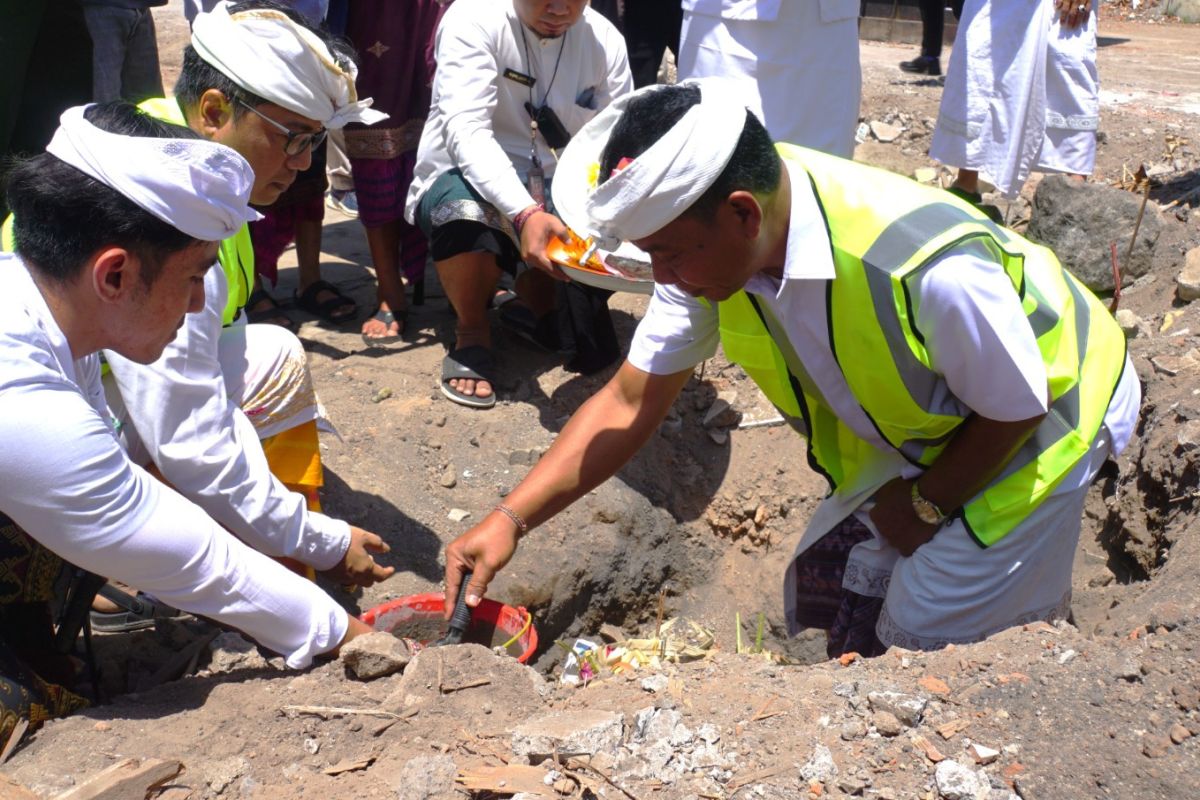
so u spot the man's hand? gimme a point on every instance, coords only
(483, 551)
(536, 233)
(1072, 13)
(896, 520)
(358, 565)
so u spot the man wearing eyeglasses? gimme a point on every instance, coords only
(257, 78)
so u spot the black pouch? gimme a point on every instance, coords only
(549, 126)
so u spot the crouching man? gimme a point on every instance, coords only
(116, 226)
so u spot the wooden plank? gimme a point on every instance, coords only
(508, 779)
(128, 779)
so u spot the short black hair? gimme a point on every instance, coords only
(754, 166)
(62, 216)
(197, 76)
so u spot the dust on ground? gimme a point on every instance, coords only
(1106, 707)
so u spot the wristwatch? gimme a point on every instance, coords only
(925, 510)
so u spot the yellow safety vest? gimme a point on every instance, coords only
(236, 253)
(885, 229)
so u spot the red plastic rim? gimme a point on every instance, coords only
(506, 618)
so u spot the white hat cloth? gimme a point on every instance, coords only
(199, 187)
(266, 53)
(658, 185)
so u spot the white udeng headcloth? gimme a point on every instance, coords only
(266, 53)
(199, 187)
(661, 183)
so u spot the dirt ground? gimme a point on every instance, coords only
(1106, 707)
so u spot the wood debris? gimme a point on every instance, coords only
(926, 747)
(349, 765)
(329, 712)
(952, 728)
(507, 779)
(128, 778)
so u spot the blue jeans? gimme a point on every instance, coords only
(124, 54)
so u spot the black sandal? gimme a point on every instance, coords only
(325, 309)
(267, 316)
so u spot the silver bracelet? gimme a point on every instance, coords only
(518, 520)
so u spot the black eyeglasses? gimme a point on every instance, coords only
(297, 142)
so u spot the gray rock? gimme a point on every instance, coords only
(886, 724)
(232, 651)
(1186, 10)
(956, 782)
(376, 655)
(220, 774)
(1079, 221)
(820, 766)
(1188, 436)
(722, 414)
(587, 731)
(428, 778)
(906, 707)
(654, 683)
(1187, 282)
(1129, 669)
(854, 729)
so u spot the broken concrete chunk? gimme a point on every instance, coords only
(982, 753)
(1187, 282)
(376, 655)
(582, 732)
(907, 708)
(1130, 322)
(956, 782)
(820, 767)
(458, 514)
(654, 683)
(885, 131)
(428, 778)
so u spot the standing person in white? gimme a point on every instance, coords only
(798, 58)
(1022, 94)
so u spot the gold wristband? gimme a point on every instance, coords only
(518, 520)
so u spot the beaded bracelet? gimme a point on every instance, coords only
(520, 219)
(518, 520)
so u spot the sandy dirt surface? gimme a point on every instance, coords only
(1107, 707)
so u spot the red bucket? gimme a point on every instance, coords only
(492, 623)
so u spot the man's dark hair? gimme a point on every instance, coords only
(197, 76)
(62, 216)
(754, 166)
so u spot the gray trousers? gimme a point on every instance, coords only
(124, 54)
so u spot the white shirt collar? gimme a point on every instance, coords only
(809, 255)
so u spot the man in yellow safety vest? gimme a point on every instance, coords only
(958, 389)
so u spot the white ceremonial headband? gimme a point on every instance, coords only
(661, 183)
(201, 188)
(266, 53)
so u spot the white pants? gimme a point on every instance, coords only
(1022, 94)
(801, 70)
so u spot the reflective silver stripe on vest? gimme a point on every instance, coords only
(1064, 412)
(894, 248)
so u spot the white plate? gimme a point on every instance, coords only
(613, 283)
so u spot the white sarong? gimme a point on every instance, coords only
(1022, 94)
(798, 60)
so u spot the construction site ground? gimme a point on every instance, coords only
(701, 524)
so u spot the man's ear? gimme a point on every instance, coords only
(214, 112)
(749, 213)
(112, 273)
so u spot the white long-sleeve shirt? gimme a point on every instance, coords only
(207, 448)
(65, 480)
(477, 120)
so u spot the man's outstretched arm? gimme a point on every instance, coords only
(599, 439)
